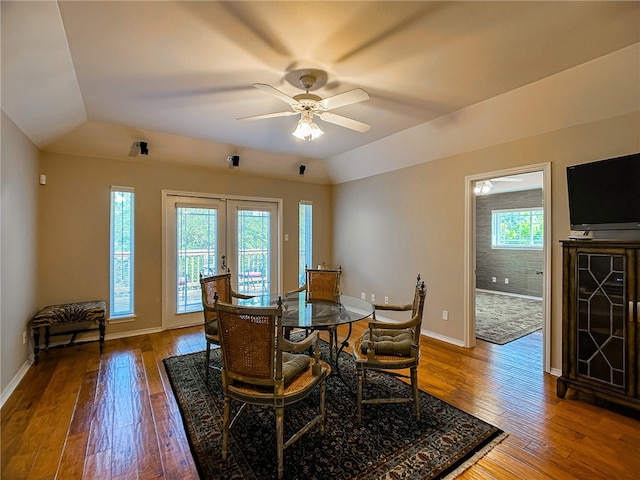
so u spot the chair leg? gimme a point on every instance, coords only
(414, 384)
(280, 439)
(225, 426)
(206, 362)
(359, 374)
(322, 396)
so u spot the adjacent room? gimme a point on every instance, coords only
(397, 211)
(509, 236)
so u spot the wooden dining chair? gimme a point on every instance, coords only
(323, 284)
(211, 286)
(260, 368)
(389, 346)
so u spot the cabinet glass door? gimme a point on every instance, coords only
(601, 325)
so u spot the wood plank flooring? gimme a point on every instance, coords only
(113, 417)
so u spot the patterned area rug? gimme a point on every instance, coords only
(503, 318)
(389, 443)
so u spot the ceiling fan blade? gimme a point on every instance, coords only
(267, 115)
(347, 98)
(344, 122)
(276, 93)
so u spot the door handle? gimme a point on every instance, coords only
(223, 265)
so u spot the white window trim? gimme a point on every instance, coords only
(129, 316)
(494, 233)
(309, 236)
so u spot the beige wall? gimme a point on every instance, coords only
(74, 225)
(18, 226)
(390, 227)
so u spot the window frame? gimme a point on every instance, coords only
(531, 212)
(305, 257)
(130, 312)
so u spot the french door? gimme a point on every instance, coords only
(207, 236)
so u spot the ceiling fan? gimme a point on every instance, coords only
(308, 105)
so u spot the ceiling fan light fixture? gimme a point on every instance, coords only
(307, 129)
(483, 188)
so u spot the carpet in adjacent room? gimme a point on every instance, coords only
(502, 318)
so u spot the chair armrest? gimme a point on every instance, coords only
(294, 347)
(240, 295)
(209, 308)
(397, 308)
(297, 290)
(383, 325)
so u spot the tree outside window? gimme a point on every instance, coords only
(517, 228)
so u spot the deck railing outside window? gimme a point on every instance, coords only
(252, 277)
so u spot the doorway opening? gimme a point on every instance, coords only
(508, 256)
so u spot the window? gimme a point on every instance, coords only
(304, 235)
(122, 258)
(517, 228)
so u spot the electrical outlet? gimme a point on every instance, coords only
(24, 338)
(493, 279)
(506, 281)
(363, 295)
(373, 297)
(445, 314)
(386, 300)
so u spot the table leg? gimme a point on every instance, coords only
(345, 343)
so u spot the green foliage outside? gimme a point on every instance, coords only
(197, 230)
(523, 228)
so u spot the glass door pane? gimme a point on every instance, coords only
(197, 252)
(254, 243)
(195, 243)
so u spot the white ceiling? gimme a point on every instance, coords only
(90, 78)
(514, 183)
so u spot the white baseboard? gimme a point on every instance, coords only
(442, 338)
(15, 381)
(508, 294)
(82, 337)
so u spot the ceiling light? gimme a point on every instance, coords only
(482, 188)
(307, 129)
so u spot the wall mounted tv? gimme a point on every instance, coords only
(605, 195)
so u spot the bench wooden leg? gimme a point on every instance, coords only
(36, 345)
(101, 327)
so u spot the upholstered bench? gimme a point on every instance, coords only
(68, 314)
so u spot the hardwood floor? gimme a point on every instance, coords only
(81, 415)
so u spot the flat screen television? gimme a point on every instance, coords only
(605, 195)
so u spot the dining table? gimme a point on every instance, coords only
(299, 312)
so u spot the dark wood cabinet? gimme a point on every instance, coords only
(601, 320)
